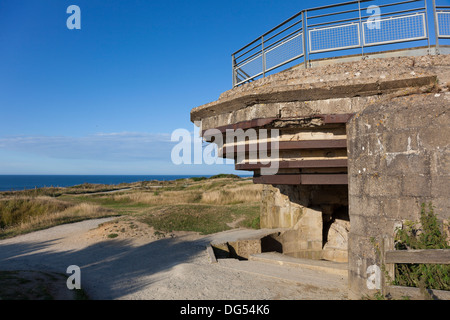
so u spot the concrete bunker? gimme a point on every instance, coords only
(360, 147)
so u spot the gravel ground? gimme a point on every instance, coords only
(141, 264)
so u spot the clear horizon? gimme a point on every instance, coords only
(105, 99)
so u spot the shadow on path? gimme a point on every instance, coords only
(109, 269)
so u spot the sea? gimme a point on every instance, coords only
(25, 182)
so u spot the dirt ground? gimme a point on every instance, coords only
(122, 259)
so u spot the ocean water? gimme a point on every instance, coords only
(22, 182)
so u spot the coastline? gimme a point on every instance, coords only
(29, 182)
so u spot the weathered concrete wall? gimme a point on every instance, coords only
(317, 226)
(304, 239)
(277, 210)
(290, 109)
(399, 158)
(282, 205)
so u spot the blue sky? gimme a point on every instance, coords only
(105, 99)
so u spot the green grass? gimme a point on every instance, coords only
(200, 205)
(100, 200)
(205, 219)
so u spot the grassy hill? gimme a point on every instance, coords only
(205, 205)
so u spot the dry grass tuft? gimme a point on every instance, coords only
(220, 192)
(157, 198)
(20, 214)
(233, 195)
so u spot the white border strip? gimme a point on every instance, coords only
(335, 48)
(290, 59)
(442, 35)
(399, 40)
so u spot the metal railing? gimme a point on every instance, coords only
(343, 26)
(273, 49)
(442, 20)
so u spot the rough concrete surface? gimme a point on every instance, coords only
(398, 159)
(146, 266)
(343, 80)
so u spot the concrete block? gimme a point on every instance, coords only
(401, 163)
(403, 140)
(440, 185)
(400, 209)
(377, 186)
(335, 254)
(295, 109)
(440, 161)
(435, 137)
(356, 184)
(442, 207)
(364, 206)
(416, 185)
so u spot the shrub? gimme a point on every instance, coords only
(198, 178)
(224, 175)
(425, 234)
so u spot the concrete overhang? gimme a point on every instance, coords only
(349, 79)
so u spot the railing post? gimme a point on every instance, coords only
(305, 48)
(263, 57)
(361, 31)
(436, 26)
(427, 27)
(388, 270)
(233, 64)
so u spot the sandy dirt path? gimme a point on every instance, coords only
(139, 264)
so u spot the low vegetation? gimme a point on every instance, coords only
(21, 214)
(204, 205)
(424, 234)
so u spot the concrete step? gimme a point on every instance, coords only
(330, 267)
(243, 234)
(239, 243)
(297, 275)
